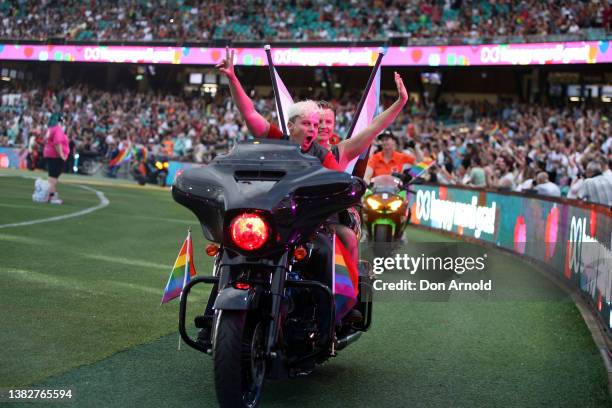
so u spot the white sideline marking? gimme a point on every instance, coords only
(126, 261)
(607, 360)
(23, 240)
(103, 203)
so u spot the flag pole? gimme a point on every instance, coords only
(279, 107)
(381, 54)
(188, 261)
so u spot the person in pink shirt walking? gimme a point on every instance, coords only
(55, 153)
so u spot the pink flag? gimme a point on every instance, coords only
(369, 110)
(285, 99)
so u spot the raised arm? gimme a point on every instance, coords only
(257, 124)
(351, 148)
(368, 174)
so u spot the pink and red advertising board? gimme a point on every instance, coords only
(586, 52)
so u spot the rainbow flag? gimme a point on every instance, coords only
(141, 153)
(345, 280)
(141, 158)
(419, 168)
(181, 273)
(497, 134)
(124, 155)
(493, 131)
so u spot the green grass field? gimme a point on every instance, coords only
(79, 306)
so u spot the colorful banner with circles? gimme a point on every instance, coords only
(585, 52)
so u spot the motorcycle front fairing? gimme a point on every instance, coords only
(386, 184)
(293, 191)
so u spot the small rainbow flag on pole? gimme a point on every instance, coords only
(345, 280)
(493, 131)
(181, 273)
(124, 155)
(497, 135)
(419, 168)
(141, 157)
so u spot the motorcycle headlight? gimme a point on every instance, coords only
(373, 203)
(249, 231)
(395, 205)
(165, 165)
(159, 165)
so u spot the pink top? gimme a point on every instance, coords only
(55, 136)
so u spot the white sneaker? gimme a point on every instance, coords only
(56, 200)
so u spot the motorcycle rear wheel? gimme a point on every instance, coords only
(239, 359)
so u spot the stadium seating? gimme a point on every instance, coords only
(306, 20)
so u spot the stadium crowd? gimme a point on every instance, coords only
(185, 20)
(516, 147)
(507, 145)
(98, 121)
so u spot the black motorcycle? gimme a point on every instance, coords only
(152, 170)
(266, 205)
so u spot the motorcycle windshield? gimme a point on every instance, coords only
(272, 176)
(386, 184)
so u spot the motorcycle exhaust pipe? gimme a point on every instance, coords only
(351, 338)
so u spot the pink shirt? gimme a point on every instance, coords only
(55, 136)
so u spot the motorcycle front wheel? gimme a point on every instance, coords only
(383, 233)
(239, 359)
(161, 179)
(382, 236)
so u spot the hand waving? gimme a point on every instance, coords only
(401, 89)
(226, 66)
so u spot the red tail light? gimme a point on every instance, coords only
(249, 231)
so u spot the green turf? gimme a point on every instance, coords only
(78, 290)
(79, 306)
(13, 209)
